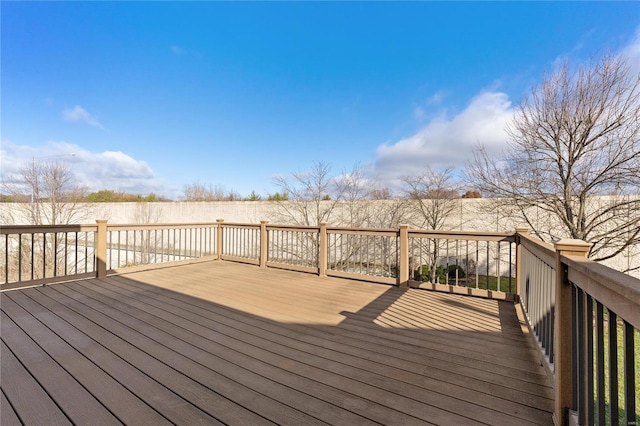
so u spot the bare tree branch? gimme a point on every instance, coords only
(433, 195)
(55, 198)
(308, 197)
(574, 138)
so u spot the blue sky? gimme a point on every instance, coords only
(152, 96)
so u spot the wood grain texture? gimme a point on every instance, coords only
(222, 342)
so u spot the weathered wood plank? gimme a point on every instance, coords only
(291, 307)
(463, 388)
(161, 399)
(8, 416)
(443, 345)
(204, 404)
(340, 348)
(78, 404)
(236, 343)
(105, 388)
(26, 395)
(260, 359)
(217, 358)
(187, 378)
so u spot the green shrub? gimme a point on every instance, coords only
(423, 273)
(452, 272)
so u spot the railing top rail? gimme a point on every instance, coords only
(239, 225)
(362, 231)
(302, 228)
(463, 235)
(545, 251)
(614, 289)
(39, 229)
(137, 226)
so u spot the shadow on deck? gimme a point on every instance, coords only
(220, 342)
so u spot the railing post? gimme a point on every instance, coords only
(563, 363)
(264, 243)
(322, 247)
(403, 275)
(219, 238)
(101, 249)
(519, 277)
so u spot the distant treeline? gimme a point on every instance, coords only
(104, 196)
(108, 196)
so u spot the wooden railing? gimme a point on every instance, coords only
(371, 254)
(142, 245)
(537, 265)
(466, 262)
(36, 255)
(292, 247)
(239, 242)
(584, 316)
(473, 263)
(44, 254)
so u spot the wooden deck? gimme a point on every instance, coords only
(225, 343)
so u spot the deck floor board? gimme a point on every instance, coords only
(289, 339)
(8, 417)
(255, 353)
(221, 342)
(262, 355)
(80, 406)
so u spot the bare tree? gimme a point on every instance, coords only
(433, 194)
(573, 138)
(386, 210)
(355, 207)
(308, 197)
(146, 214)
(197, 192)
(54, 199)
(200, 192)
(315, 196)
(434, 198)
(380, 194)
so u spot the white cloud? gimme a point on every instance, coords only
(80, 114)
(12, 158)
(115, 170)
(632, 53)
(112, 170)
(447, 141)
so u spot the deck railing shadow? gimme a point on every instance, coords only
(584, 316)
(432, 373)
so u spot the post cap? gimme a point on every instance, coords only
(572, 246)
